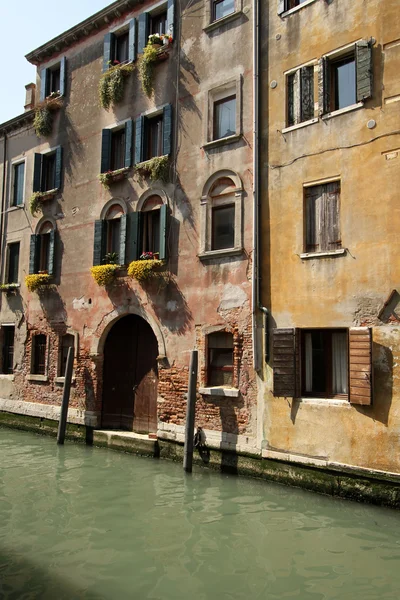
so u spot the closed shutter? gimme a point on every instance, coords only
(63, 75)
(139, 137)
(43, 84)
(170, 17)
(284, 348)
(37, 171)
(360, 365)
(128, 142)
(132, 40)
(122, 240)
(143, 31)
(58, 169)
(34, 254)
(133, 237)
(163, 255)
(324, 94)
(332, 224)
(105, 150)
(364, 70)
(167, 129)
(52, 245)
(281, 6)
(20, 180)
(107, 51)
(306, 93)
(99, 242)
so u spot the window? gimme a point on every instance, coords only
(120, 46)
(53, 80)
(223, 227)
(153, 135)
(222, 8)
(117, 159)
(42, 250)
(113, 230)
(160, 20)
(220, 359)
(293, 3)
(67, 342)
(151, 225)
(39, 354)
(324, 363)
(158, 23)
(116, 149)
(47, 171)
(8, 349)
(225, 117)
(322, 228)
(18, 184)
(12, 262)
(300, 95)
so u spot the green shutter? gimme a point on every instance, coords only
(132, 40)
(363, 70)
(37, 171)
(143, 31)
(170, 17)
(163, 232)
(105, 150)
(43, 84)
(18, 191)
(128, 142)
(122, 241)
(133, 249)
(52, 244)
(63, 73)
(58, 169)
(34, 253)
(167, 129)
(139, 137)
(99, 242)
(107, 51)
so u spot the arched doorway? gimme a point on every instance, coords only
(130, 376)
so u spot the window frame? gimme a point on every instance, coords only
(35, 367)
(230, 88)
(8, 262)
(284, 11)
(5, 350)
(297, 102)
(154, 17)
(38, 171)
(213, 370)
(45, 80)
(214, 4)
(117, 132)
(149, 121)
(316, 249)
(16, 163)
(61, 378)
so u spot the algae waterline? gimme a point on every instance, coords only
(85, 523)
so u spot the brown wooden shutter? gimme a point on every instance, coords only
(360, 365)
(284, 348)
(324, 95)
(364, 70)
(332, 198)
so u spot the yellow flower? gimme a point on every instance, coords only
(34, 282)
(143, 269)
(104, 274)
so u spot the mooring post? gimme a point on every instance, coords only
(190, 413)
(65, 398)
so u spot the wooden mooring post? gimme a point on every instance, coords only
(190, 413)
(65, 398)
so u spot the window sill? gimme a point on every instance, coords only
(300, 125)
(219, 391)
(7, 377)
(230, 139)
(326, 401)
(9, 287)
(61, 380)
(343, 111)
(12, 208)
(297, 8)
(48, 195)
(306, 255)
(220, 253)
(32, 377)
(216, 24)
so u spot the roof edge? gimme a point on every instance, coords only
(19, 121)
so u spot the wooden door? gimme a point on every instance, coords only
(130, 378)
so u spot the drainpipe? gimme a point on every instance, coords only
(255, 265)
(3, 199)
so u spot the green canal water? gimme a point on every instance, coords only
(86, 523)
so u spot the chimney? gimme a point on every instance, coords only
(30, 96)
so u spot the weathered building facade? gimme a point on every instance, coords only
(330, 172)
(132, 337)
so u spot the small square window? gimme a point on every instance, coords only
(7, 362)
(324, 363)
(117, 158)
(220, 359)
(224, 117)
(158, 24)
(223, 227)
(343, 82)
(39, 354)
(48, 176)
(18, 184)
(322, 206)
(222, 8)
(153, 137)
(13, 262)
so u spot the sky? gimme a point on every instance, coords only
(26, 25)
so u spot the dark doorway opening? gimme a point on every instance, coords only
(130, 376)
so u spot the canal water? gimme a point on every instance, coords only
(87, 523)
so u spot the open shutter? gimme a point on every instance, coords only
(34, 253)
(52, 244)
(281, 6)
(43, 84)
(284, 348)
(143, 31)
(363, 70)
(122, 241)
(170, 17)
(58, 169)
(99, 242)
(133, 238)
(360, 365)
(107, 51)
(139, 136)
(306, 93)
(63, 74)
(163, 232)
(332, 198)
(105, 150)
(324, 94)
(167, 129)
(132, 40)
(128, 142)
(37, 170)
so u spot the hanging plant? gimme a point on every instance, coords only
(104, 274)
(142, 270)
(35, 204)
(36, 281)
(157, 168)
(43, 121)
(113, 176)
(146, 68)
(112, 84)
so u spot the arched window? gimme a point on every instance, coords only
(110, 234)
(113, 230)
(42, 250)
(151, 212)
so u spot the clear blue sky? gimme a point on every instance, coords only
(26, 25)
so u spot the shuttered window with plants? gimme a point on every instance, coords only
(52, 89)
(47, 178)
(153, 144)
(116, 153)
(118, 57)
(42, 258)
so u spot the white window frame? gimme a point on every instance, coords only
(14, 163)
(225, 90)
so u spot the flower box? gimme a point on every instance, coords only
(9, 288)
(113, 176)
